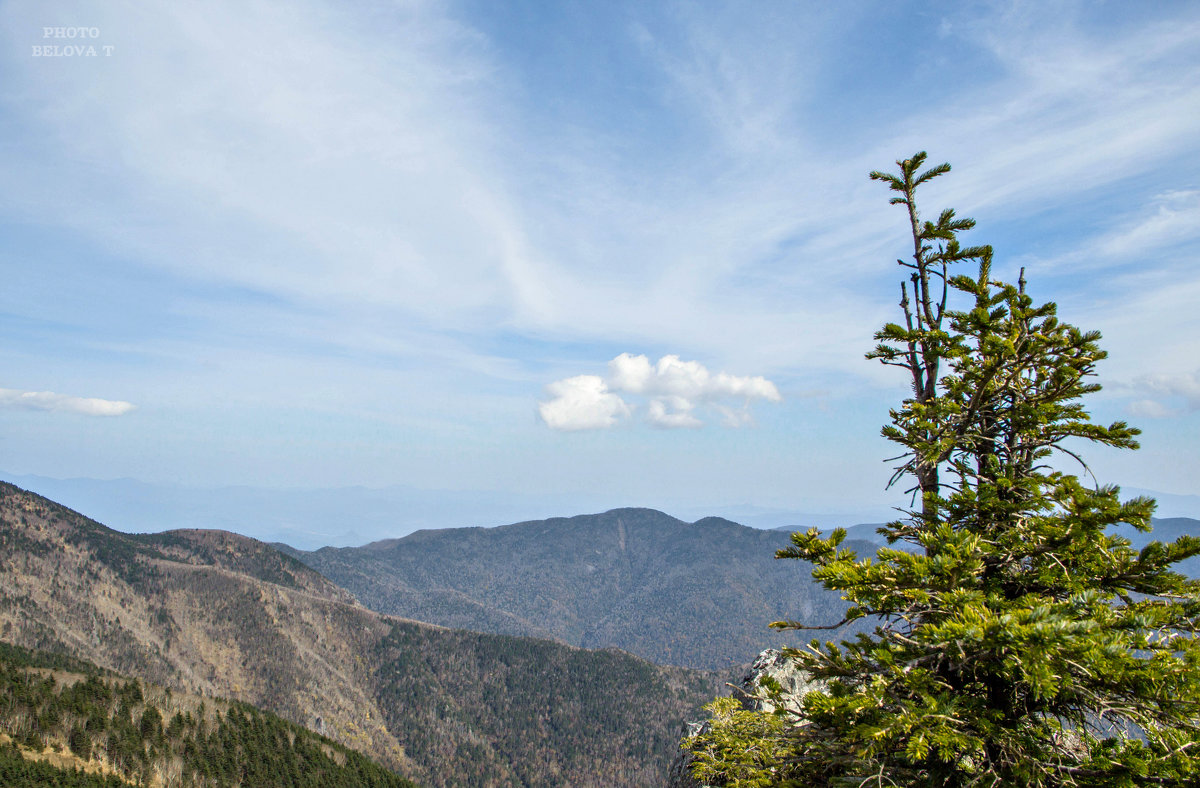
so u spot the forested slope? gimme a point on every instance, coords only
(695, 594)
(218, 614)
(85, 726)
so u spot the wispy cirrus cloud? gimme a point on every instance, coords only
(1172, 218)
(302, 197)
(1166, 221)
(62, 403)
(303, 169)
(447, 217)
(674, 391)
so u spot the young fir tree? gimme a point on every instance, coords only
(1020, 641)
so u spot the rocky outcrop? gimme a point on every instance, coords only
(754, 697)
(680, 774)
(774, 664)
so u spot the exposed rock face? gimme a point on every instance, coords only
(753, 696)
(680, 774)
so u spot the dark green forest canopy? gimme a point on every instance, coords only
(99, 717)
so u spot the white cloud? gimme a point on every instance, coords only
(1174, 219)
(1170, 219)
(1151, 409)
(631, 373)
(674, 387)
(62, 403)
(685, 379)
(672, 411)
(582, 403)
(1163, 389)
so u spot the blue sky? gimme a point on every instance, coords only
(597, 252)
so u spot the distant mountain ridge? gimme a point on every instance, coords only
(1165, 529)
(695, 594)
(310, 518)
(220, 614)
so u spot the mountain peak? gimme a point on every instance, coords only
(695, 594)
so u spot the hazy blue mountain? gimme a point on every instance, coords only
(867, 532)
(308, 518)
(343, 516)
(1170, 505)
(1166, 529)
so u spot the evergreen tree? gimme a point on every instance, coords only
(1019, 640)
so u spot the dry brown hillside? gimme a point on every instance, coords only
(180, 609)
(216, 613)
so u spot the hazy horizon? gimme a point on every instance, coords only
(309, 518)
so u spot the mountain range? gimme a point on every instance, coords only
(693, 594)
(214, 613)
(455, 657)
(310, 518)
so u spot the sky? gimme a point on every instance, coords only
(590, 253)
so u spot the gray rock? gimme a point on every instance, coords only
(753, 696)
(680, 774)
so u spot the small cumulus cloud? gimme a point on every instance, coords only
(583, 402)
(673, 389)
(672, 411)
(62, 403)
(688, 379)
